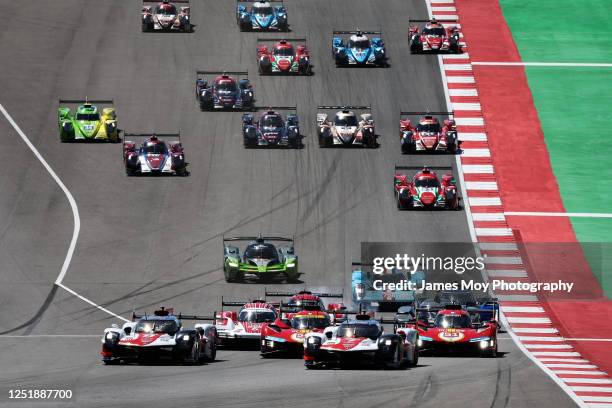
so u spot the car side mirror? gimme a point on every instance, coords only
(128, 331)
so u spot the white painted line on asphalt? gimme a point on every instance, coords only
(448, 8)
(498, 246)
(523, 309)
(507, 273)
(463, 92)
(553, 339)
(558, 214)
(464, 55)
(446, 17)
(476, 153)
(591, 389)
(469, 121)
(478, 168)
(466, 106)
(582, 380)
(577, 372)
(483, 185)
(472, 137)
(542, 64)
(494, 232)
(562, 365)
(460, 79)
(541, 330)
(457, 67)
(73, 206)
(565, 360)
(529, 320)
(586, 339)
(484, 201)
(555, 353)
(597, 399)
(486, 216)
(548, 346)
(510, 260)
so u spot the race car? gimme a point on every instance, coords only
(262, 16)
(165, 16)
(87, 123)
(224, 91)
(487, 307)
(243, 327)
(385, 292)
(428, 135)
(154, 157)
(260, 259)
(424, 190)
(345, 129)
(286, 335)
(308, 300)
(361, 340)
(283, 57)
(455, 330)
(271, 129)
(160, 335)
(359, 51)
(434, 37)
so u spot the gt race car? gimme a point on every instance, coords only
(160, 335)
(308, 300)
(271, 129)
(88, 122)
(224, 91)
(361, 340)
(283, 57)
(434, 37)
(371, 291)
(428, 135)
(260, 259)
(242, 328)
(153, 156)
(359, 50)
(455, 330)
(269, 15)
(424, 190)
(346, 129)
(166, 16)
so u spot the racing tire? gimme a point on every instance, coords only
(490, 352)
(415, 357)
(396, 361)
(146, 27)
(187, 28)
(111, 362)
(213, 351)
(194, 354)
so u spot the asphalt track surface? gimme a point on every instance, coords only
(152, 241)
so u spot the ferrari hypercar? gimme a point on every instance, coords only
(361, 340)
(262, 16)
(166, 16)
(424, 190)
(157, 336)
(87, 123)
(385, 292)
(154, 157)
(260, 258)
(428, 135)
(454, 329)
(224, 91)
(307, 300)
(359, 50)
(271, 129)
(283, 57)
(346, 129)
(433, 37)
(487, 307)
(286, 335)
(243, 327)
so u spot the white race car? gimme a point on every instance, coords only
(239, 328)
(346, 129)
(166, 16)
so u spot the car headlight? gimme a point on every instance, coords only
(388, 342)
(110, 335)
(185, 337)
(233, 264)
(484, 344)
(419, 342)
(311, 340)
(291, 265)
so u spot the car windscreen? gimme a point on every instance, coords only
(359, 44)
(427, 183)
(156, 326)
(358, 330)
(310, 322)
(429, 127)
(262, 11)
(284, 52)
(90, 117)
(453, 322)
(271, 121)
(257, 316)
(226, 86)
(434, 31)
(345, 120)
(306, 303)
(263, 251)
(155, 148)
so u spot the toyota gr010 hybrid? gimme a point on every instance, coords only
(308, 300)
(267, 15)
(87, 122)
(223, 91)
(242, 328)
(166, 16)
(153, 156)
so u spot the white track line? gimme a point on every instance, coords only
(558, 214)
(73, 206)
(542, 64)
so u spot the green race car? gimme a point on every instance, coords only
(87, 123)
(260, 259)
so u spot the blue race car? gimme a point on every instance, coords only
(224, 91)
(271, 130)
(359, 50)
(262, 16)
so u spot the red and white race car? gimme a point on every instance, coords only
(283, 57)
(428, 135)
(243, 327)
(307, 300)
(424, 190)
(154, 156)
(434, 37)
(166, 16)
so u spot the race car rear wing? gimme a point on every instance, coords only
(345, 107)
(427, 20)
(272, 108)
(427, 113)
(241, 303)
(358, 32)
(86, 100)
(255, 1)
(236, 73)
(260, 237)
(161, 135)
(287, 39)
(172, 1)
(180, 316)
(304, 292)
(418, 168)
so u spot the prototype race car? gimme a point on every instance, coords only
(157, 336)
(455, 330)
(260, 259)
(224, 92)
(346, 129)
(307, 300)
(87, 123)
(243, 327)
(166, 17)
(428, 135)
(487, 307)
(361, 340)
(434, 37)
(262, 16)
(286, 335)
(359, 50)
(424, 190)
(271, 129)
(283, 57)
(154, 157)
(384, 292)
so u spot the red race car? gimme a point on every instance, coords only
(283, 57)
(242, 328)
(428, 135)
(424, 190)
(286, 334)
(456, 329)
(306, 299)
(434, 37)
(154, 157)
